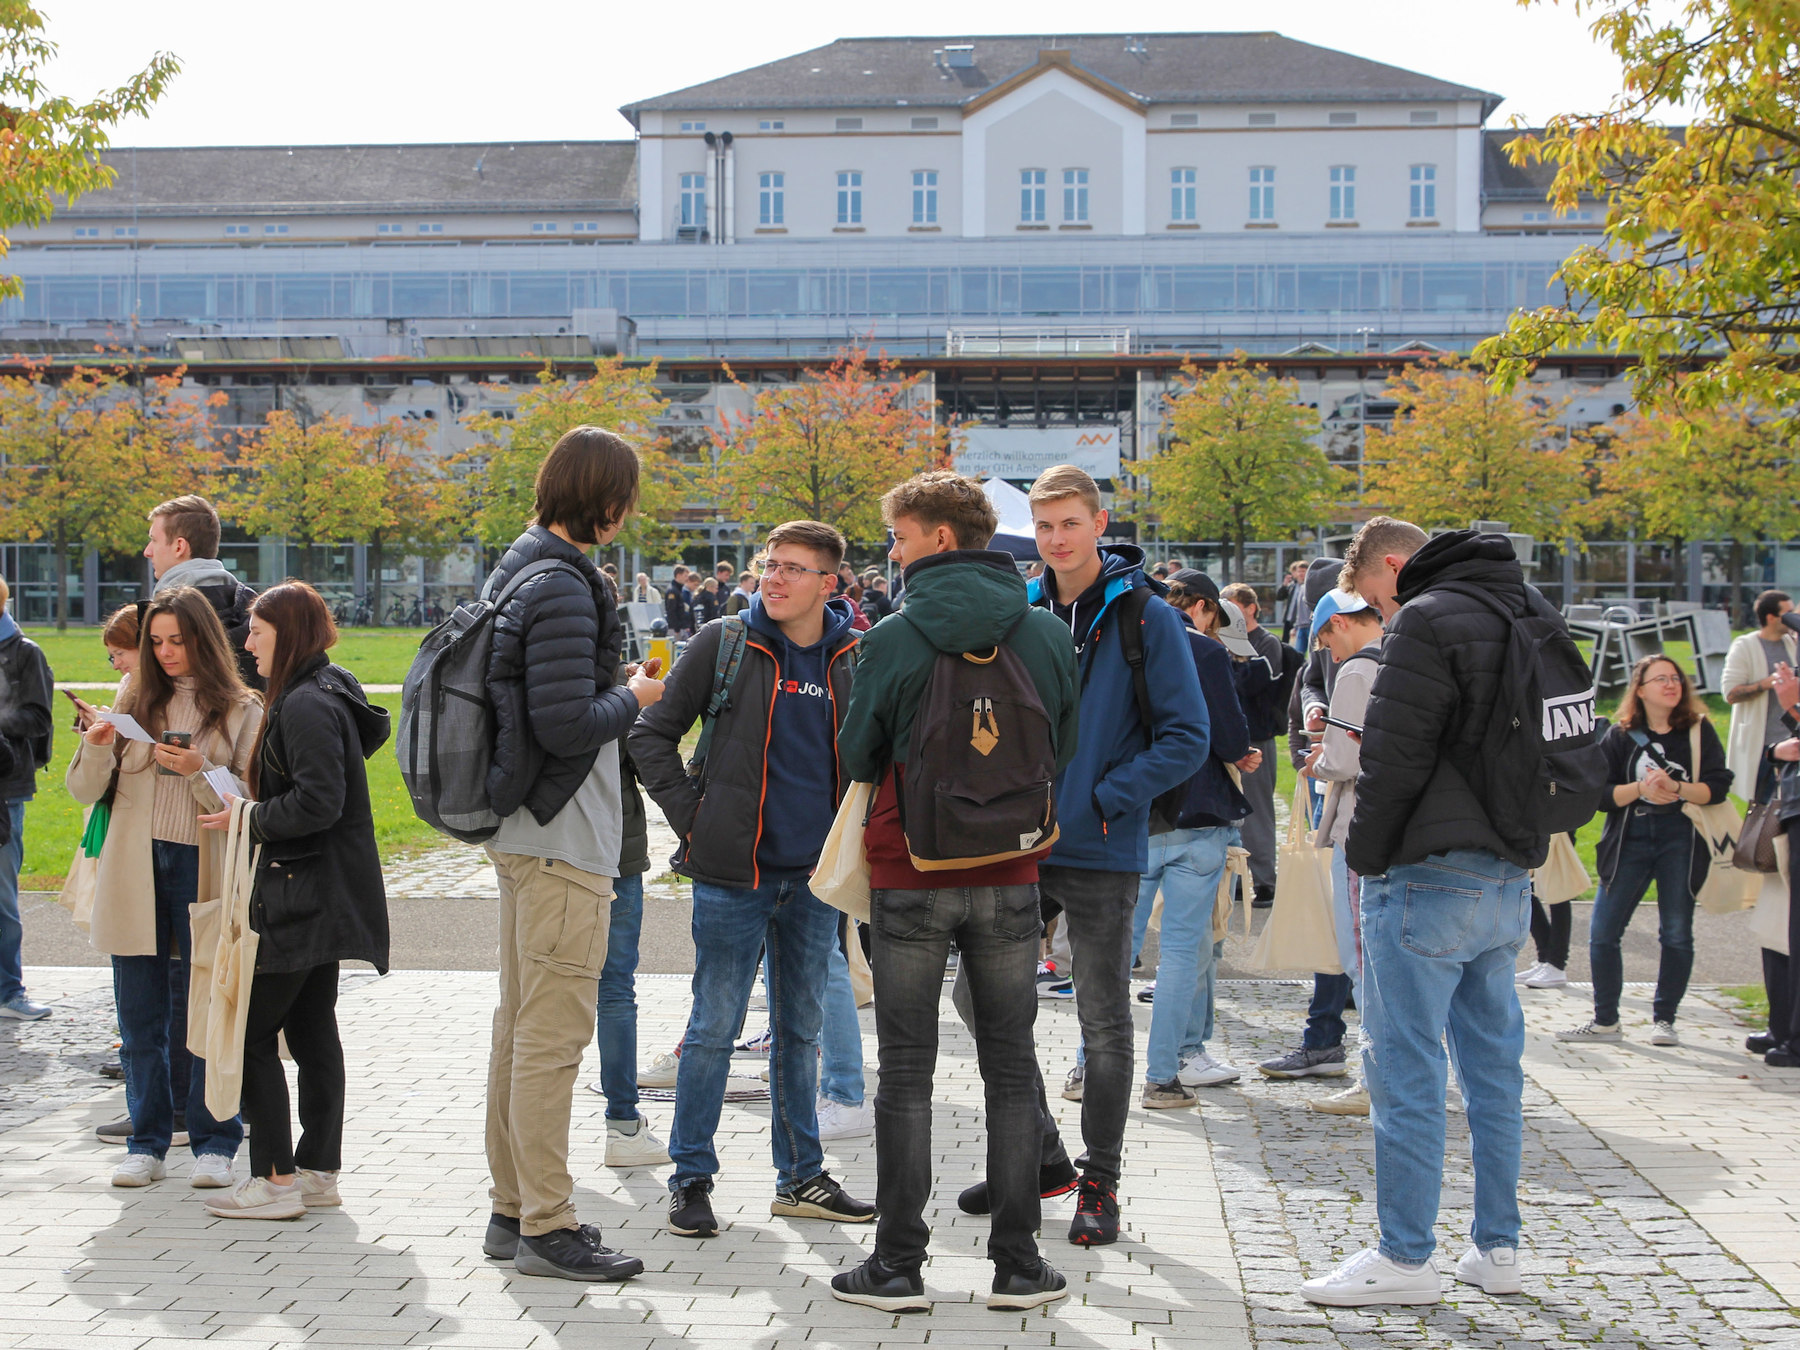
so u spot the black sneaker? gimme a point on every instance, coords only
(1760, 1044)
(1096, 1221)
(1054, 1179)
(691, 1212)
(1028, 1289)
(1264, 898)
(574, 1254)
(501, 1241)
(875, 1286)
(821, 1198)
(1783, 1057)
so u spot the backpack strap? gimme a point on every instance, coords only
(1131, 606)
(734, 635)
(525, 574)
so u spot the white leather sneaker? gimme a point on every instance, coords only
(638, 1148)
(1369, 1278)
(1202, 1070)
(139, 1169)
(837, 1121)
(1524, 976)
(1352, 1101)
(1547, 976)
(1495, 1271)
(662, 1070)
(258, 1198)
(212, 1172)
(318, 1190)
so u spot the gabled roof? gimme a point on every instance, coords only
(1151, 67)
(1504, 181)
(327, 179)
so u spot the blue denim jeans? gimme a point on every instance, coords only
(1657, 847)
(12, 932)
(1440, 941)
(151, 1036)
(731, 926)
(840, 1040)
(615, 1011)
(1185, 865)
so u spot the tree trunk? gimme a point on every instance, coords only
(62, 580)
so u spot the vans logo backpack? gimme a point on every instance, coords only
(977, 785)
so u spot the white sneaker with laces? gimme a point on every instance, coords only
(212, 1172)
(318, 1190)
(637, 1147)
(1352, 1101)
(1369, 1278)
(838, 1121)
(1663, 1033)
(1202, 1070)
(258, 1198)
(1524, 976)
(139, 1169)
(662, 1071)
(1495, 1271)
(1547, 976)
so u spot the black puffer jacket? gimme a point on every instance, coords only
(231, 601)
(1430, 706)
(319, 895)
(556, 645)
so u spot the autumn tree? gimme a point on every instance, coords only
(1699, 260)
(1461, 450)
(499, 471)
(422, 512)
(1241, 461)
(307, 481)
(827, 447)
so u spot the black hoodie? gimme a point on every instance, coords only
(1440, 673)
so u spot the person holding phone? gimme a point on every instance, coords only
(153, 867)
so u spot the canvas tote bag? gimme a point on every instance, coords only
(1562, 877)
(841, 879)
(1300, 933)
(1726, 890)
(224, 964)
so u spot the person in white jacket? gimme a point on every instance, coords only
(1749, 675)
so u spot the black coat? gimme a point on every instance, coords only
(550, 679)
(319, 895)
(25, 718)
(1620, 750)
(1430, 705)
(231, 601)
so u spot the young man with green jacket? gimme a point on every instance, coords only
(960, 598)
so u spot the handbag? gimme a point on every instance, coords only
(1301, 933)
(1755, 850)
(1725, 890)
(841, 878)
(223, 967)
(83, 880)
(1562, 877)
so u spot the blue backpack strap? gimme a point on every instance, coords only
(733, 637)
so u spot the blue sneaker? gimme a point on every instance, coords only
(22, 1009)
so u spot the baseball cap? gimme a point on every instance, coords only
(1233, 632)
(1195, 582)
(1335, 602)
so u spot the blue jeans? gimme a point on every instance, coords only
(1440, 941)
(841, 1063)
(12, 932)
(1185, 865)
(150, 1035)
(1659, 847)
(615, 1011)
(730, 927)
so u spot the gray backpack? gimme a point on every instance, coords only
(446, 737)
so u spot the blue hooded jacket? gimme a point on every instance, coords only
(1103, 797)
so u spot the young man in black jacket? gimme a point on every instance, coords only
(25, 687)
(752, 820)
(1446, 907)
(555, 783)
(678, 604)
(184, 551)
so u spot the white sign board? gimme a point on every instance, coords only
(1025, 452)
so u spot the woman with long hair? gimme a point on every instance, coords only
(1651, 774)
(318, 899)
(188, 697)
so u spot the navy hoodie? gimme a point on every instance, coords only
(802, 755)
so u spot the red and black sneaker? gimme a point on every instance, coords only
(1054, 1179)
(1096, 1221)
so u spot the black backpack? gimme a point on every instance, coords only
(1540, 770)
(978, 786)
(1165, 809)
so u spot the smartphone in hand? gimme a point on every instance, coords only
(184, 739)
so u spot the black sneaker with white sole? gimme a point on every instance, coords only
(821, 1197)
(873, 1285)
(691, 1211)
(574, 1254)
(1096, 1221)
(501, 1242)
(1028, 1288)
(1054, 1179)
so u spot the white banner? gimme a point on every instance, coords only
(1025, 452)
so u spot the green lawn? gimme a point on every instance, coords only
(373, 655)
(1754, 1001)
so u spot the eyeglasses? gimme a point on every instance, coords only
(1662, 679)
(786, 571)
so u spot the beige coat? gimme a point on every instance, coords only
(124, 917)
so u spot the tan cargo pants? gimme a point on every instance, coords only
(553, 922)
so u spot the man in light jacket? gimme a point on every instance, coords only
(1749, 676)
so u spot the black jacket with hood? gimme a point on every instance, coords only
(1428, 712)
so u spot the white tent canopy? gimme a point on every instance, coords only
(1015, 535)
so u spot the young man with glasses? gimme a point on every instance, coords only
(752, 820)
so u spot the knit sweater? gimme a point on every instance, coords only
(175, 811)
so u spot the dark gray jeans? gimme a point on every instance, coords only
(997, 930)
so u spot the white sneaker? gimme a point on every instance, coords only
(139, 1169)
(258, 1198)
(1525, 976)
(318, 1190)
(636, 1147)
(212, 1172)
(1369, 1278)
(1493, 1272)
(837, 1121)
(1202, 1070)
(662, 1070)
(1075, 1084)
(1663, 1033)
(1547, 976)
(1593, 1032)
(1352, 1101)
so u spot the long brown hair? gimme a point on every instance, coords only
(218, 688)
(303, 629)
(1686, 712)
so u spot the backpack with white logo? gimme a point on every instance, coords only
(977, 787)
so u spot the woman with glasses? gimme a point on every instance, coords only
(1651, 776)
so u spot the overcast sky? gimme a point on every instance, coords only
(337, 71)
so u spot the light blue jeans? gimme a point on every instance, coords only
(1440, 941)
(1185, 865)
(615, 1010)
(840, 1038)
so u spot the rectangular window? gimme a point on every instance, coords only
(1184, 119)
(924, 197)
(275, 229)
(771, 124)
(1031, 196)
(1423, 205)
(1262, 193)
(1184, 206)
(924, 124)
(435, 228)
(693, 126)
(849, 197)
(1262, 119)
(124, 232)
(229, 229)
(1343, 119)
(1423, 117)
(849, 124)
(586, 227)
(379, 229)
(1075, 196)
(1343, 192)
(693, 199)
(771, 199)
(93, 231)
(542, 227)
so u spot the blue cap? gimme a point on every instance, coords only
(1335, 601)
